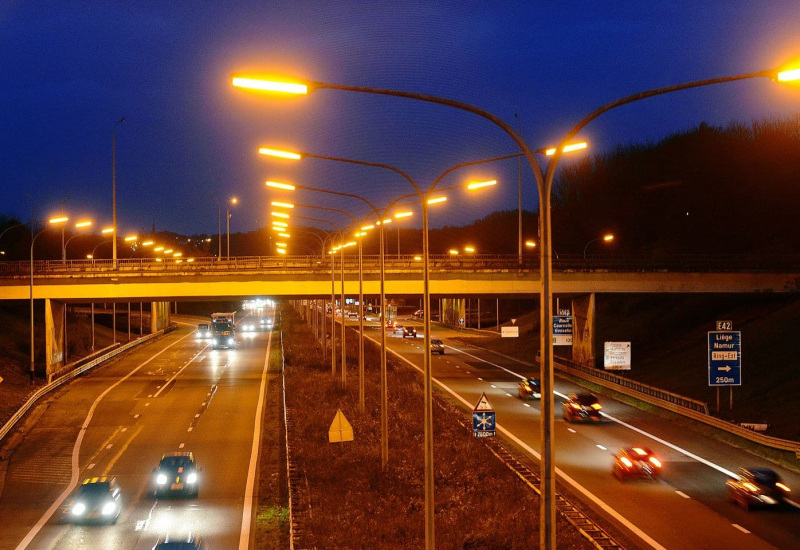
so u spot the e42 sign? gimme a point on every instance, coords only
(725, 358)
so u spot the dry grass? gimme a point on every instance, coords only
(479, 502)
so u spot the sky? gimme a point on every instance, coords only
(70, 69)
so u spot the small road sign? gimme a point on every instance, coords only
(509, 332)
(483, 418)
(724, 325)
(340, 429)
(562, 330)
(725, 358)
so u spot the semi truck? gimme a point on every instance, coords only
(223, 331)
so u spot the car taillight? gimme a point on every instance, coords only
(640, 452)
(655, 462)
(626, 461)
(783, 487)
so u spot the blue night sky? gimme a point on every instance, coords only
(70, 69)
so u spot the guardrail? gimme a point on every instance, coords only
(4, 431)
(684, 406)
(564, 263)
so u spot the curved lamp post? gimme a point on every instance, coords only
(114, 185)
(219, 228)
(605, 238)
(544, 183)
(231, 201)
(53, 222)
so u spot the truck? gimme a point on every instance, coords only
(223, 332)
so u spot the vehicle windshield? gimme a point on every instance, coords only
(586, 400)
(174, 462)
(95, 489)
(766, 477)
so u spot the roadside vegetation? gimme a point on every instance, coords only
(351, 503)
(669, 344)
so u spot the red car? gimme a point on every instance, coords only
(636, 462)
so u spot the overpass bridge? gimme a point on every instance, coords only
(452, 279)
(463, 276)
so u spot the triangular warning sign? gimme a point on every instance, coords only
(340, 429)
(483, 404)
(513, 321)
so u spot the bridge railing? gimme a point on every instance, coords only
(438, 262)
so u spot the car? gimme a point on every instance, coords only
(177, 474)
(636, 462)
(265, 323)
(188, 542)
(437, 346)
(582, 407)
(390, 325)
(757, 487)
(248, 327)
(203, 331)
(529, 388)
(97, 500)
(409, 331)
(419, 314)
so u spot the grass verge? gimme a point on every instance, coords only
(356, 504)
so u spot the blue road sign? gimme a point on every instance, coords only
(725, 358)
(483, 423)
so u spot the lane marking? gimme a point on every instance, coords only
(122, 450)
(180, 370)
(681, 493)
(570, 430)
(740, 528)
(77, 449)
(563, 475)
(249, 493)
(601, 447)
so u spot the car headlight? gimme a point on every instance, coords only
(109, 508)
(230, 341)
(191, 478)
(79, 508)
(161, 479)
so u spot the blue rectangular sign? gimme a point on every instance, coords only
(725, 358)
(483, 423)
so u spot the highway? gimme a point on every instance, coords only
(687, 508)
(174, 394)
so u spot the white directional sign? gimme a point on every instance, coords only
(509, 332)
(617, 355)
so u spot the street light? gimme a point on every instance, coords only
(219, 228)
(79, 225)
(114, 185)
(53, 222)
(231, 201)
(605, 238)
(544, 186)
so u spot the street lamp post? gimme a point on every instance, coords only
(219, 228)
(544, 183)
(114, 187)
(233, 200)
(605, 238)
(52, 222)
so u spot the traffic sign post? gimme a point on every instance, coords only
(725, 360)
(483, 418)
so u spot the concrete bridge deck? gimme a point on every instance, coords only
(309, 276)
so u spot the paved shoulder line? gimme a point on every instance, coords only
(76, 452)
(249, 493)
(577, 486)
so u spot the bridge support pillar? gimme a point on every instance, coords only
(159, 316)
(583, 329)
(54, 336)
(453, 309)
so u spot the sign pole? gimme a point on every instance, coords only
(717, 399)
(731, 397)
